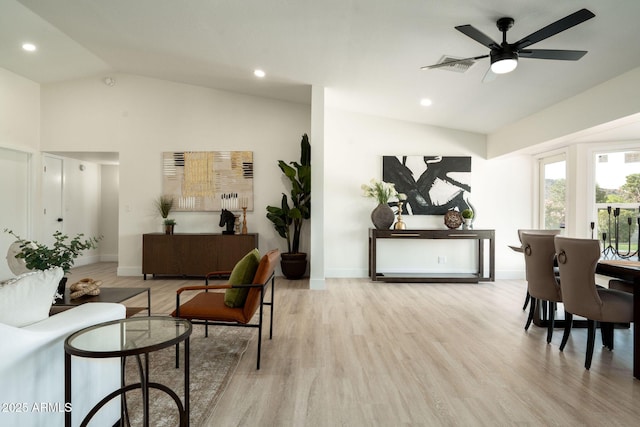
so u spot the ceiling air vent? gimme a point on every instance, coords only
(458, 67)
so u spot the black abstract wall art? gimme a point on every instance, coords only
(433, 184)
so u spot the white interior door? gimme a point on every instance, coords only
(15, 190)
(52, 184)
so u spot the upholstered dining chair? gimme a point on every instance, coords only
(244, 295)
(621, 285)
(542, 284)
(532, 231)
(577, 260)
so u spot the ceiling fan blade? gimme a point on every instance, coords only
(489, 76)
(564, 55)
(478, 36)
(555, 28)
(446, 64)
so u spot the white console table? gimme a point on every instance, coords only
(428, 234)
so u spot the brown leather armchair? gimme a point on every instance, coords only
(208, 307)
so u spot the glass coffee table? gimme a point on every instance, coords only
(134, 336)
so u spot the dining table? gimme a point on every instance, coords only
(627, 270)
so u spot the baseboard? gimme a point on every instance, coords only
(352, 273)
(129, 271)
(359, 273)
(317, 284)
(510, 275)
(86, 260)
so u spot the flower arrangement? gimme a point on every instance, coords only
(379, 190)
(467, 214)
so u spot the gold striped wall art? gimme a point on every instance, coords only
(208, 180)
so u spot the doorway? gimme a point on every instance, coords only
(52, 187)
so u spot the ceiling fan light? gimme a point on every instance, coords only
(504, 66)
(503, 61)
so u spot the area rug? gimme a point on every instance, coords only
(213, 361)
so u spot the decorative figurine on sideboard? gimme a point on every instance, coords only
(244, 221)
(228, 219)
(400, 225)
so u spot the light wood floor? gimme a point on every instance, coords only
(378, 354)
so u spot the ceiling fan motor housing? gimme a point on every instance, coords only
(504, 24)
(502, 54)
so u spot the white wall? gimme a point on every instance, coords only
(141, 117)
(20, 173)
(318, 196)
(19, 139)
(612, 100)
(354, 146)
(14, 190)
(19, 112)
(109, 194)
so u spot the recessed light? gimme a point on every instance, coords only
(426, 102)
(29, 47)
(259, 73)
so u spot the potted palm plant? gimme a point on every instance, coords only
(289, 219)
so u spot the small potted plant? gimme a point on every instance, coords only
(164, 204)
(467, 216)
(62, 253)
(169, 224)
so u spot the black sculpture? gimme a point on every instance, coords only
(610, 250)
(227, 218)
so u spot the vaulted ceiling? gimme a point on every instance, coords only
(367, 53)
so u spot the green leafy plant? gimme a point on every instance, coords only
(164, 204)
(379, 190)
(170, 221)
(288, 220)
(467, 214)
(63, 253)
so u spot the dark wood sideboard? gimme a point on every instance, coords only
(193, 254)
(426, 234)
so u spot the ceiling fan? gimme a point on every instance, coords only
(504, 56)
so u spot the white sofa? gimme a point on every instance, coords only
(32, 371)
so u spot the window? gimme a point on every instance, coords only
(617, 200)
(553, 200)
